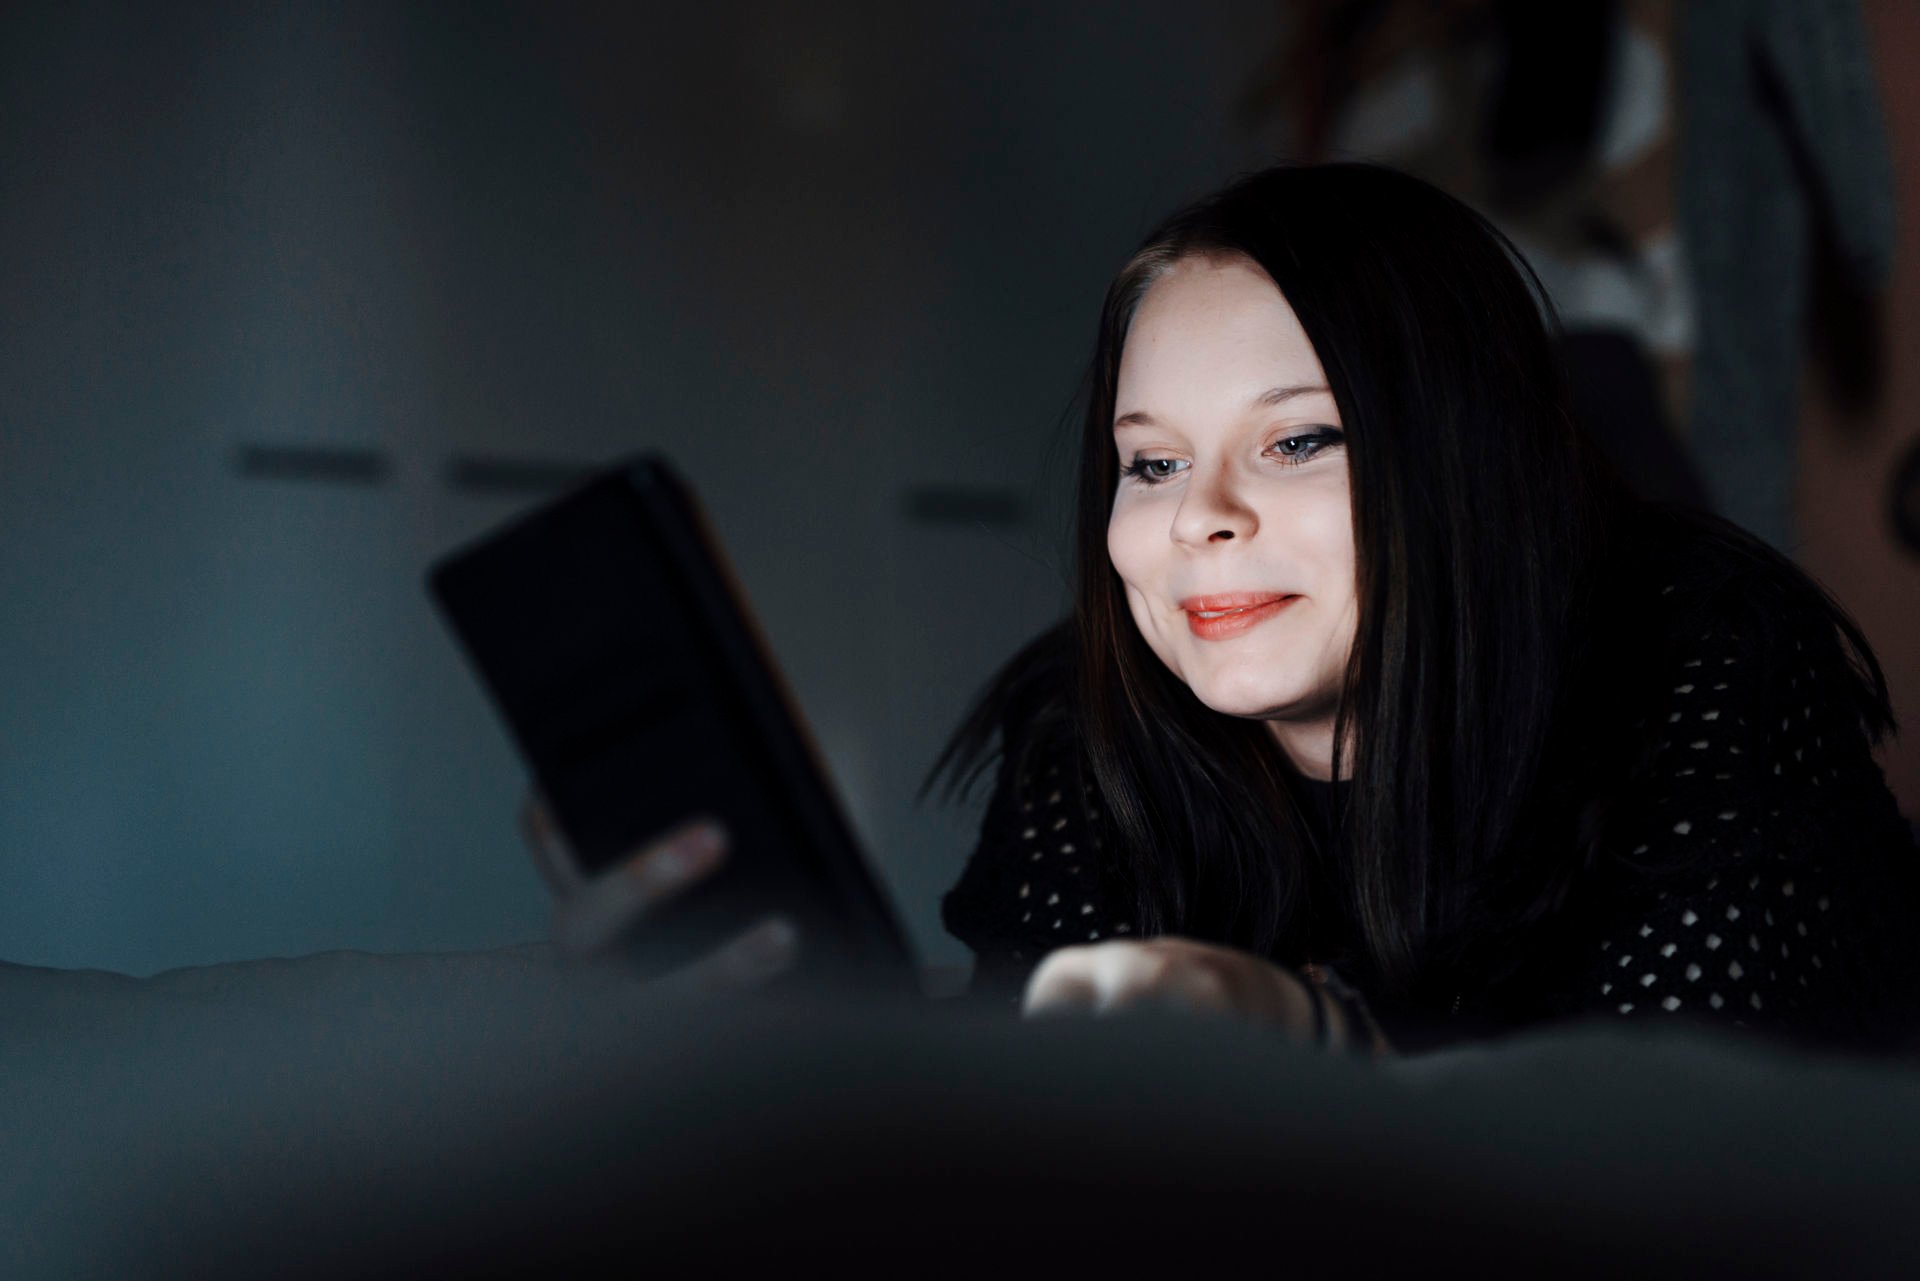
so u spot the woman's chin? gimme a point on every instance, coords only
(1250, 704)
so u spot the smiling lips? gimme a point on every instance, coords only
(1230, 614)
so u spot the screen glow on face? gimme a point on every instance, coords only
(1231, 477)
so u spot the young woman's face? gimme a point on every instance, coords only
(1234, 484)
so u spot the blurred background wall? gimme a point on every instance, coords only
(841, 261)
(298, 297)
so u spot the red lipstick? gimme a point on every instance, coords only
(1235, 612)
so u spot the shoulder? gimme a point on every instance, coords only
(1753, 857)
(1758, 700)
(1775, 631)
(1039, 848)
(1722, 666)
(1715, 679)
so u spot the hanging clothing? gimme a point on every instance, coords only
(1782, 141)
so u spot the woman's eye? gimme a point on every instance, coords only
(1143, 469)
(1289, 450)
(1307, 445)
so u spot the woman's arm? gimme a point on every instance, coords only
(1033, 882)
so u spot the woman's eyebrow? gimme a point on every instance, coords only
(1265, 400)
(1280, 395)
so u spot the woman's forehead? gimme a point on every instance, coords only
(1212, 328)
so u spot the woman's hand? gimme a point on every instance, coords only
(588, 919)
(1178, 974)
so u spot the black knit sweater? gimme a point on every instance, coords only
(1759, 874)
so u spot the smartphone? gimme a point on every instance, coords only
(614, 640)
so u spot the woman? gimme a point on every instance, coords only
(1378, 683)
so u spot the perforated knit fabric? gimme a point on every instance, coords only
(1755, 772)
(1762, 865)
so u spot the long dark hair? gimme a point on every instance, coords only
(1483, 699)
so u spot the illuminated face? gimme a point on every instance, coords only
(1232, 491)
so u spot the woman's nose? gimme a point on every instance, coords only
(1212, 507)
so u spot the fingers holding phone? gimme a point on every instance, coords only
(590, 918)
(592, 914)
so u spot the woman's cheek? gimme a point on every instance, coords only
(1122, 553)
(1117, 551)
(1137, 537)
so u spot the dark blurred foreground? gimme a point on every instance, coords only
(486, 1115)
